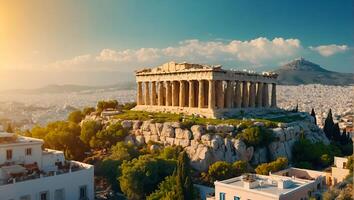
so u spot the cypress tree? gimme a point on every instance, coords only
(336, 132)
(328, 126)
(313, 114)
(184, 184)
(344, 138)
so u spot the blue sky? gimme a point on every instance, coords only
(43, 39)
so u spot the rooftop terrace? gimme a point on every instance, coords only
(269, 185)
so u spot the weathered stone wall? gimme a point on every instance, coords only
(206, 144)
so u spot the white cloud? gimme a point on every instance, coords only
(254, 52)
(329, 50)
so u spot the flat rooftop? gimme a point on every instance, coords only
(265, 184)
(12, 138)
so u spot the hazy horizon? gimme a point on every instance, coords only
(101, 43)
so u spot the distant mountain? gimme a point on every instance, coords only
(68, 88)
(301, 71)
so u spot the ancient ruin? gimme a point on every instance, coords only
(203, 90)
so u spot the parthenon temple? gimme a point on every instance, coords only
(203, 90)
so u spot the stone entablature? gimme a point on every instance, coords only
(205, 90)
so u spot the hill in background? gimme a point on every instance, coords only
(301, 71)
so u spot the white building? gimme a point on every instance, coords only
(271, 187)
(27, 172)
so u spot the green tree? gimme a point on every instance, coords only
(129, 106)
(328, 126)
(178, 186)
(184, 182)
(142, 175)
(38, 132)
(326, 160)
(75, 116)
(277, 165)
(109, 169)
(220, 170)
(336, 132)
(166, 189)
(63, 135)
(103, 105)
(240, 167)
(111, 135)
(313, 114)
(122, 151)
(88, 110)
(171, 152)
(306, 151)
(88, 133)
(256, 136)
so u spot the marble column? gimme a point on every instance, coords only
(182, 90)
(265, 99)
(245, 98)
(147, 93)
(175, 93)
(153, 93)
(252, 95)
(259, 97)
(201, 94)
(139, 95)
(274, 96)
(238, 100)
(211, 99)
(219, 94)
(228, 96)
(191, 94)
(168, 93)
(160, 94)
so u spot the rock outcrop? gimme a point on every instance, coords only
(206, 144)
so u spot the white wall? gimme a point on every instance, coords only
(49, 159)
(19, 153)
(70, 182)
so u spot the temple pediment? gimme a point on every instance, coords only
(177, 67)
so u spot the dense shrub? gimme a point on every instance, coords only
(75, 116)
(103, 105)
(63, 136)
(129, 106)
(88, 110)
(122, 151)
(109, 169)
(178, 186)
(88, 133)
(142, 175)
(306, 151)
(170, 152)
(277, 165)
(256, 136)
(222, 170)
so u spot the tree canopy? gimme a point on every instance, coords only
(141, 176)
(277, 165)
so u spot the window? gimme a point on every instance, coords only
(344, 165)
(59, 194)
(222, 196)
(9, 154)
(28, 151)
(26, 197)
(44, 196)
(83, 192)
(236, 198)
